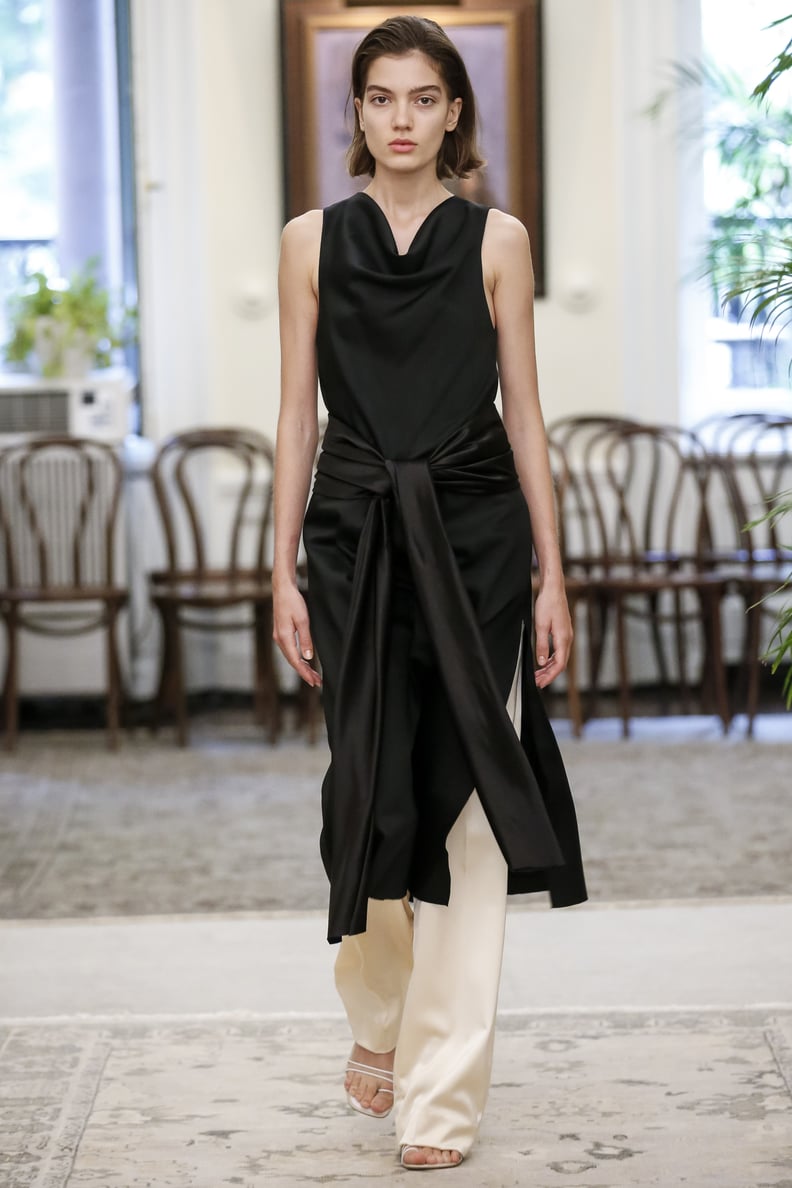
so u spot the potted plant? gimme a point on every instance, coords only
(64, 328)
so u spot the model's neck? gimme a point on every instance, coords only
(406, 194)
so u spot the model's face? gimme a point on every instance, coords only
(406, 111)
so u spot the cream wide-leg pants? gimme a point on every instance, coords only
(425, 982)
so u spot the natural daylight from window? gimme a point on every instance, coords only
(28, 212)
(747, 171)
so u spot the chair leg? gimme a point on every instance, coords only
(573, 689)
(624, 668)
(679, 627)
(753, 664)
(10, 684)
(170, 692)
(113, 678)
(267, 700)
(597, 628)
(177, 676)
(163, 699)
(260, 690)
(659, 650)
(711, 608)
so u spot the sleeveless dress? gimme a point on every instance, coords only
(418, 543)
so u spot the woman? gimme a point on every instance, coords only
(446, 789)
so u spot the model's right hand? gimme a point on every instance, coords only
(292, 633)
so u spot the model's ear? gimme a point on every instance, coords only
(359, 110)
(454, 111)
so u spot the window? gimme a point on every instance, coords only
(28, 219)
(65, 84)
(747, 194)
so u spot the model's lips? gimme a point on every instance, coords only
(402, 146)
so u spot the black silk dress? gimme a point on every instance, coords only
(418, 542)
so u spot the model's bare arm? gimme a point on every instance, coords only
(508, 275)
(297, 433)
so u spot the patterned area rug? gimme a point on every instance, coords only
(234, 825)
(601, 1101)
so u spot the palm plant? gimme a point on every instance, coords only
(748, 256)
(780, 649)
(765, 294)
(751, 141)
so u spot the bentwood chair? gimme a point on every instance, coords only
(583, 548)
(577, 587)
(649, 484)
(720, 431)
(214, 488)
(757, 468)
(59, 500)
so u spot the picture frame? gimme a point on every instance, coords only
(500, 41)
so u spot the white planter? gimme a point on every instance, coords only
(59, 351)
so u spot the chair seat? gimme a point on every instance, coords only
(743, 556)
(65, 594)
(653, 582)
(763, 577)
(209, 589)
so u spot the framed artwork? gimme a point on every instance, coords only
(500, 42)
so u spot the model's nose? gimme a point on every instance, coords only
(402, 116)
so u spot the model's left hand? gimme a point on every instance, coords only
(551, 619)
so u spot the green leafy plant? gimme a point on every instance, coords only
(749, 140)
(780, 648)
(781, 63)
(50, 320)
(757, 273)
(767, 293)
(748, 256)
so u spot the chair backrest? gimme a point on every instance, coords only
(719, 430)
(214, 493)
(566, 498)
(59, 499)
(649, 486)
(759, 465)
(570, 432)
(580, 523)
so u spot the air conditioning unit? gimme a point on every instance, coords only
(97, 405)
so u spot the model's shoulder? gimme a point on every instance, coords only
(506, 249)
(303, 229)
(505, 231)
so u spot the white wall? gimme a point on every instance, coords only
(619, 328)
(578, 328)
(207, 109)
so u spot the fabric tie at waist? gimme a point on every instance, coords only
(476, 459)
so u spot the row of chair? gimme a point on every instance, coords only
(659, 523)
(59, 504)
(654, 524)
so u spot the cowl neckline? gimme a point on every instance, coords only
(388, 239)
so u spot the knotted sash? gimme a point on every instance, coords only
(477, 459)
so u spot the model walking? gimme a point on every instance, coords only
(446, 790)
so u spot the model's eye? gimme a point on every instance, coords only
(426, 100)
(379, 100)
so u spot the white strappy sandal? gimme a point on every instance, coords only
(424, 1166)
(381, 1074)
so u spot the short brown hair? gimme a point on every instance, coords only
(459, 154)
